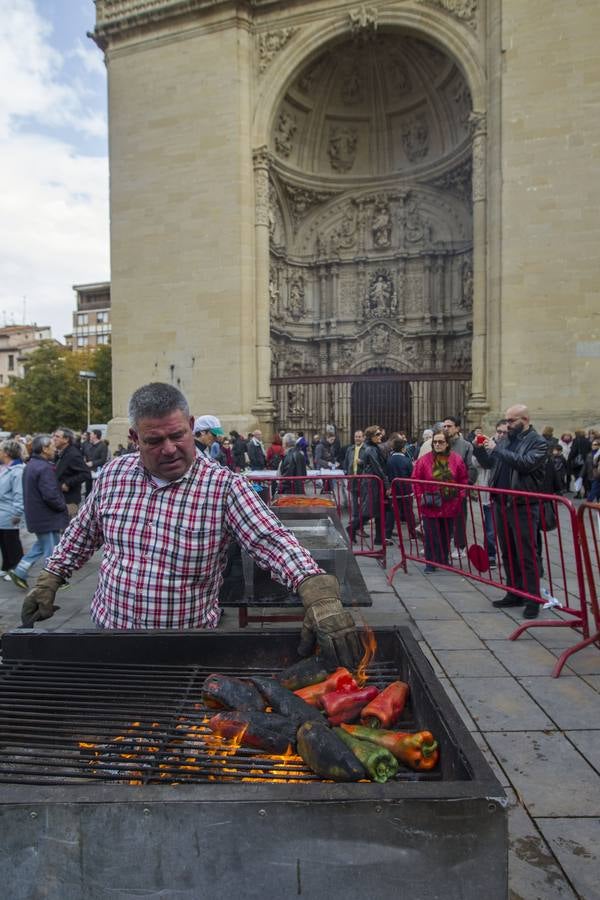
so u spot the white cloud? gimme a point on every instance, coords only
(54, 199)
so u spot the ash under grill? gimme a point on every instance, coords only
(69, 722)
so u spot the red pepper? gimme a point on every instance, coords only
(340, 680)
(418, 751)
(344, 706)
(387, 706)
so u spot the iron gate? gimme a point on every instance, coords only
(408, 402)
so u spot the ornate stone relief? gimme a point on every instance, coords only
(270, 43)
(295, 401)
(363, 19)
(342, 148)
(398, 77)
(415, 138)
(457, 181)
(274, 292)
(466, 287)
(380, 339)
(284, 133)
(344, 237)
(381, 300)
(296, 305)
(414, 227)
(464, 104)
(381, 226)
(477, 121)
(307, 80)
(302, 200)
(352, 89)
(261, 160)
(346, 356)
(460, 355)
(462, 9)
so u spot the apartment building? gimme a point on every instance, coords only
(91, 319)
(16, 341)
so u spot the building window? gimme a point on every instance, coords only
(82, 319)
(102, 316)
(103, 339)
(11, 362)
(82, 341)
(1, 379)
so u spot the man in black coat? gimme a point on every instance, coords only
(71, 470)
(518, 463)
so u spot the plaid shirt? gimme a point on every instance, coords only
(164, 548)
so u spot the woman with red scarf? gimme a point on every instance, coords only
(439, 506)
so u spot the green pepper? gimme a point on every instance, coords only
(418, 750)
(379, 762)
(307, 671)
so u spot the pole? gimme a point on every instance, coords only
(88, 380)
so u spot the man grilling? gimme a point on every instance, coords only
(165, 517)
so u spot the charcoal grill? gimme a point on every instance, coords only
(105, 758)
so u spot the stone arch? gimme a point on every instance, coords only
(438, 277)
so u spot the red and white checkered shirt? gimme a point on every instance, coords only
(164, 548)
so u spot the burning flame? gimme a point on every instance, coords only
(370, 644)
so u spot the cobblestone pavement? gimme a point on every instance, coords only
(540, 735)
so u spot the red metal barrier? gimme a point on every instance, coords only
(359, 501)
(507, 539)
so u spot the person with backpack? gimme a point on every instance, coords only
(274, 452)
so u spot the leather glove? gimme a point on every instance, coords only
(328, 624)
(39, 602)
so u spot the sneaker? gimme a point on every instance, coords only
(508, 600)
(458, 554)
(429, 570)
(6, 577)
(493, 564)
(531, 610)
(18, 581)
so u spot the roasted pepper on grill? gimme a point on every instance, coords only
(387, 706)
(285, 702)
(307, 671)
(418, 751)
(340, 680)
(345, 706)
(326, 754)
(379, 762)
(233, 693)
(265, 731)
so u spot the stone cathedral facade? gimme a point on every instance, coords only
(336, 212)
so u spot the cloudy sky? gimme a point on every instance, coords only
(53, 160)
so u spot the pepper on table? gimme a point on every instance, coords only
(380, 764)
(340, 680)
(344, 706)
(387, 706)
(418, 750)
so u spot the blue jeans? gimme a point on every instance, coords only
(43, 545)
(490, 534)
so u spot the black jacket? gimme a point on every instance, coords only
(98, 455)
(349, 460)
(525, 457)
(256, 455)
(374, 463)
(72, 471)
(293, 464)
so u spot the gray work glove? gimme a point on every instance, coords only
(328, 624)
(39, 602)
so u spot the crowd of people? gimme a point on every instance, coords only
(44, 478)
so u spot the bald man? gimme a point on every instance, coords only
(518, 462)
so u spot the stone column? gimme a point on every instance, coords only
(263, 408)
(478, 402)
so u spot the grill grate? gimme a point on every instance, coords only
(70, 722)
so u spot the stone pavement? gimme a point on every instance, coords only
(540, 735)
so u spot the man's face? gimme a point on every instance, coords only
(359, 437)
(166, 445)
(501, 431)
(60, 441)
(258, 435)
(515, 422)
(49, 452)
(206, 438)
(450, 428)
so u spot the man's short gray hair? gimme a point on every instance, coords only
(12, 449)
(40, 442)
(156, 400)
(289, 440)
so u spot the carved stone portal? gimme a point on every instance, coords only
(342, 148)
(381, 300)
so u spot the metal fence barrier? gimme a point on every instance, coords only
(512, 540)
(359, 502)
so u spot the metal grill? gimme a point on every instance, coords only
(65, 722)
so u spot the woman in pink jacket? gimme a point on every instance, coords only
(439, 506)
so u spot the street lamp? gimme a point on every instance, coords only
(88, 377)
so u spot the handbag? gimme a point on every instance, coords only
(432, 500)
